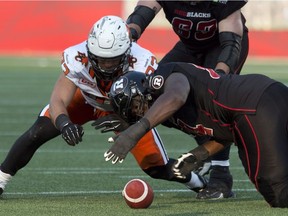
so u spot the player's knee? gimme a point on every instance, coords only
(158, 172)
(281, 199)
(151, 160)
(41, 130)
(154, 166)
(275, 193)
(163, 172)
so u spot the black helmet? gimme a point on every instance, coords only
(126, 88)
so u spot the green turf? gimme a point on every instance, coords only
(64, 180)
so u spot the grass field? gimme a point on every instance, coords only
(65, 180)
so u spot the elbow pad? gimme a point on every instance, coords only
(141, 16)
(231, 47)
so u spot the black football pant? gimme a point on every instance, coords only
(262, 140)
(26, 145)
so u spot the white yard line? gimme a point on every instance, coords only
(110, 192)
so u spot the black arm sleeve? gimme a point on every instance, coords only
(141, 16)
(231, 47)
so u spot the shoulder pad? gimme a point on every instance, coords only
(75, 57)
(142, 59)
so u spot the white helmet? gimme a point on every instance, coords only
(109, 39)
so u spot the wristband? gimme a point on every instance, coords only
(145, 123)
(139, 129)
(61, 121)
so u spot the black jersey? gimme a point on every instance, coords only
(214, 102)
(196, 24)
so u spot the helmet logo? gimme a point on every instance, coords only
(157, 82)
(119, 85)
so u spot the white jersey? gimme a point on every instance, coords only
(78, 69)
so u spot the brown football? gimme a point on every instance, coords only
(138, 194)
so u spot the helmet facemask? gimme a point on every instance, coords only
(117, 66)
(130, 98)
(139, 106)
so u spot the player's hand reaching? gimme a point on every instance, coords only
(126, 140)
(185, 164)
(72, 133)
(112, 122)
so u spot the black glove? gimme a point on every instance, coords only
(126, 140)
(112, 122)
(190, 161)
(71, 133)
(185, 164)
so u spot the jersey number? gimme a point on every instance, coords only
(204, 29)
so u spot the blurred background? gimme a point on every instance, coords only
(48, 27)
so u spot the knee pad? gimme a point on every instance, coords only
(158, 172)
(42, 130)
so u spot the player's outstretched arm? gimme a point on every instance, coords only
(61, 96)
(176, 91)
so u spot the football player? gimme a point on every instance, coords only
(80, 95)
(211, 34)
(199, 102)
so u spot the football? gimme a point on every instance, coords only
(138, 194)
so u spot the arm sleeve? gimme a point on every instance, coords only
(231, 46)
(141, 16)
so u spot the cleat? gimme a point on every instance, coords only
(219, 185)
(214, 194)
